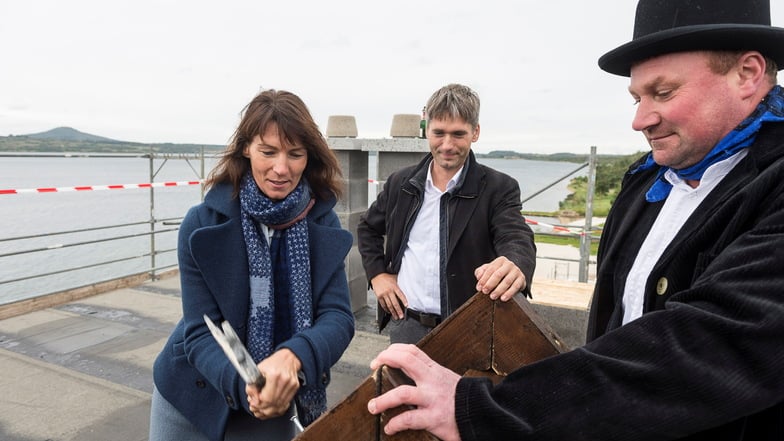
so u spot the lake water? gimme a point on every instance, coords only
(533, 176)
(39, 214)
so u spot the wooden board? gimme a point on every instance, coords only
(482, 338)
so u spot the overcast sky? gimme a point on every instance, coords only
(181, 71)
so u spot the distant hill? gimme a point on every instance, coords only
(510, 154)
(70, 140)
(562, 157)
(68, 134)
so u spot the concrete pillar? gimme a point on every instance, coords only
(354, 165)
(352, 154)
(396, 153)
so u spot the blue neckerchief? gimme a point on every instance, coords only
(770, 109)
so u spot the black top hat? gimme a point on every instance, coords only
(665, 26)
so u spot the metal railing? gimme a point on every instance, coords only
(153, 228)
(151, 255)
(146, 263)
(586, 231)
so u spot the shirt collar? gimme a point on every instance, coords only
(715, 172)
(449, 185)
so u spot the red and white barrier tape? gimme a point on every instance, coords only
(97, 187)
(554, 227)
(529, 221)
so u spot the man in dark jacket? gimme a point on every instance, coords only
(446, 228)
(685, 330)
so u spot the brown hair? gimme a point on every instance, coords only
(296, 126)
(720, 62)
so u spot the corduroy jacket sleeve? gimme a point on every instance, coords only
(703, 362)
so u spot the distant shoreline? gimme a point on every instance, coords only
(28, 144)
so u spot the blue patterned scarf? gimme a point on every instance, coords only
(287, 217)
(770, 109)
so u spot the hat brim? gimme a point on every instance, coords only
(768, 40)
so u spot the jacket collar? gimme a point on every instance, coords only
(467, 185)
(220, 199)
(768, 147)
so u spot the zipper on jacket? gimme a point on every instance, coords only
(407, 228)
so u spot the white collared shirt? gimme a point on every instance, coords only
(420, 274)
(682, 201)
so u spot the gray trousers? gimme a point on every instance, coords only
(407, 330)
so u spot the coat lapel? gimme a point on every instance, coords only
(645, 214)
(464, 209)
(467, 196)
(225, 270)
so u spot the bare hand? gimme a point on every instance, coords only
(390, 297)
(280, 371)
(500, 278)
(433, 395)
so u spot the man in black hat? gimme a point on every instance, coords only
(687, 320)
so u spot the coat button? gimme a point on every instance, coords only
(229, 401)
(201, 384)
(324, 379)
(661, 286)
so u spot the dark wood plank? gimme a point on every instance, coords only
(482, 338)
(521, 336)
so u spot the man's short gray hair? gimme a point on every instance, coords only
(454, 101)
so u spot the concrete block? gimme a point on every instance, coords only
(390, 162)
(350, 144)
(349, 221)
(342, 126)
(354, 166)
(569, 323)
(357, 281)
(396, 145)
(405, 126)
(564, 305)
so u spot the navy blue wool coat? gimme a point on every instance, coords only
(192, 372)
